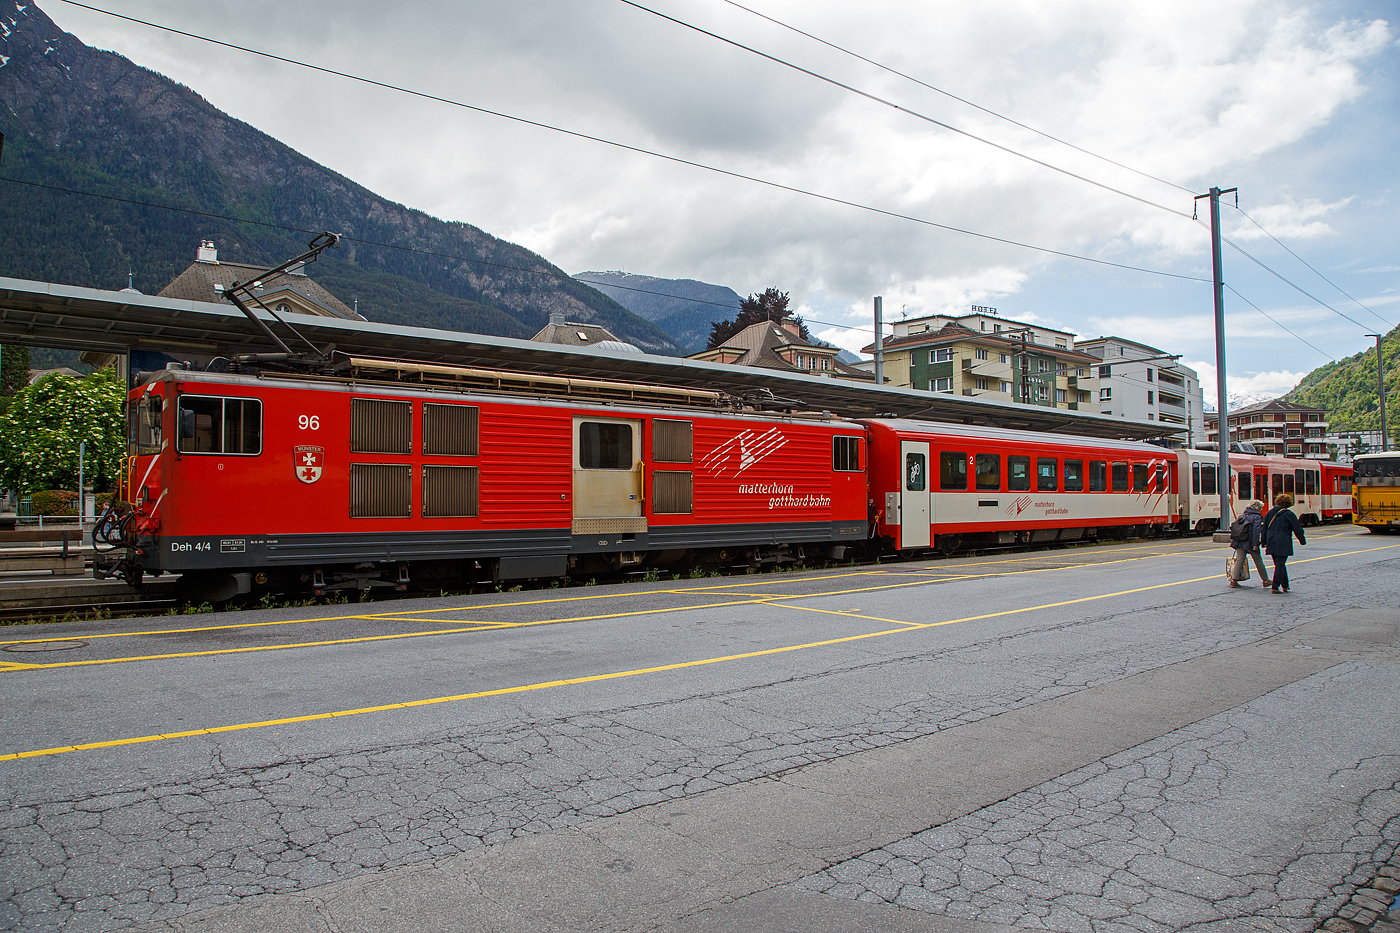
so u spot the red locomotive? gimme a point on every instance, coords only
(244, 482)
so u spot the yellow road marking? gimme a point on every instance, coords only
(614, 675)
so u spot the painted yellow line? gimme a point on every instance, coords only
(904, 627)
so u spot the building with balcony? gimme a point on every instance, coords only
(770, 345)
(981, 354)
(1142, 383)
(1276, 427)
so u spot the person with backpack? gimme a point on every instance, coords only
(1280, 527)
(1246, 537)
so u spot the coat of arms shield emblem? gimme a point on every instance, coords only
(308, 462)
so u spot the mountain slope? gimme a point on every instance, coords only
(684, 309)
(1348, 389)
(78, 118)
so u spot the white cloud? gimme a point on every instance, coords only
(1141, 82)
(1257, 385)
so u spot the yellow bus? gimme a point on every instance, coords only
(1377, 479)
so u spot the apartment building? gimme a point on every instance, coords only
(1276, 427)
(1138, 382)
(982, 354)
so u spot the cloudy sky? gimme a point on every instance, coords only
(1294, 104)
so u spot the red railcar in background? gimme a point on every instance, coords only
(1336, 492)
(244, 482)
(949, 486)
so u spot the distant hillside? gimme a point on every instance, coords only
(78, 118)
(1347, 389)
(684, 309)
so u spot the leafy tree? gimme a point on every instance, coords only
(14, 368)
(769, 306)
(41, 429)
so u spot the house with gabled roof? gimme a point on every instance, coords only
(290, 292)
(781, 346)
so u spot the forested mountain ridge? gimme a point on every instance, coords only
(83, 119)
(1348, 389)
(683, 308)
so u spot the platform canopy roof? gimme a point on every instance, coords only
(42, 314)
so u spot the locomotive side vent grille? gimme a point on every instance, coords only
(381, 490)
(379, 426)
(672, 492)
(450, 491)
(450, 430)
(671, 441)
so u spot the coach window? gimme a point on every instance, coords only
(952, 470)
(212, 425)
(1074, 475)
(604, 445)
(1195, 479)
(1299, 485)
(1278, 484)
(1139, 477)
(1288, 483)
(845, 454)
(1120, 477)
(914, 472)
(1244, 487)
(1312, 482)
(1046, 469)
(989, 471)
(1098, 475)
(1018, 474)
(1160, 478)
(1209, 473)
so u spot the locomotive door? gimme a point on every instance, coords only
(915, 505)
(607, 481)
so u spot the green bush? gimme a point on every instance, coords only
(54, 502)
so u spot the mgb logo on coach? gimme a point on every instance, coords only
(308, 462)
(742, 451)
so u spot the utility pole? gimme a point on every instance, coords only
(1223, 482)
(1380, 381)
(879, 341)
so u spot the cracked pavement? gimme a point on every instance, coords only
(680, 799)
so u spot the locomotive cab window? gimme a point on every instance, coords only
(604, 445)
(845, 454)
(988, 472)
(1046, 479)
(1120, 477)
(1074, 475)
(145, 425)
(1139, 477)
(952, 470)
(1098, 475)
(214, 425)
(1018, 474)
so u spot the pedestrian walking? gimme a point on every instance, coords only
(1280, 528)
(1247, 537)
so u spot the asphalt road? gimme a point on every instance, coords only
(1101, 739)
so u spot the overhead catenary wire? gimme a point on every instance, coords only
(1276, 322)
(629, 148)
(905, 110)
(1314, 270)
(961, 100)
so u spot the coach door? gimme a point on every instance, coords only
(914, 496)
(608, 477)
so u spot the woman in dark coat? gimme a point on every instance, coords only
(1280, 526)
